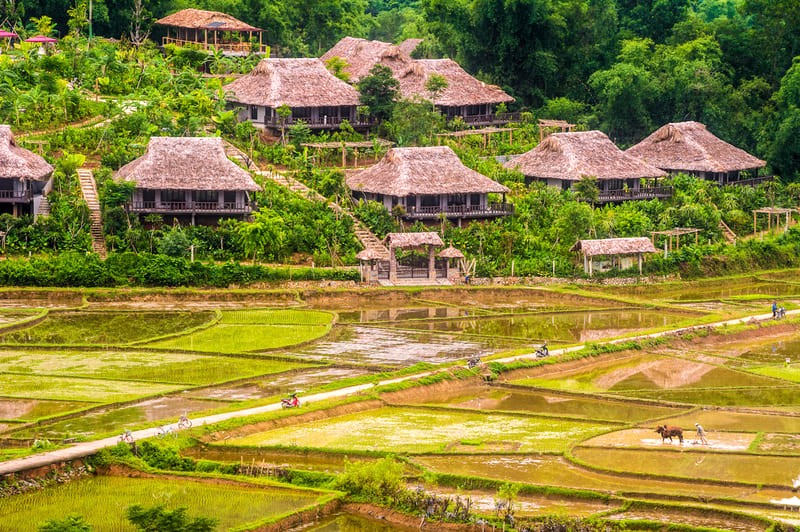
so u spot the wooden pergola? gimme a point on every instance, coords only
(420, 241)
(770, 212)
(546, 125)
(486, 131)
(352, 145)
(674, 235)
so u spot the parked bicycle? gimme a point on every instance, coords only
(126, 437)
(165, 430)
(184, 422)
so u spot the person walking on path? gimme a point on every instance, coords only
(774, 309)
(701, 434)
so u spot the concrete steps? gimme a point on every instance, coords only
(43, 208)
(730, 236)
(89, 191)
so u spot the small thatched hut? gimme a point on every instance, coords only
(428, 183)
(465, 96)
(314, 95)
(415, 241)
(562, 159)
(189, 177)
(211, 29)
(614, 252)
(690, 148)
(24, 176)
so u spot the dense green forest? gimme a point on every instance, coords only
(622, 67)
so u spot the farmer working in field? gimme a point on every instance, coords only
(701, 434)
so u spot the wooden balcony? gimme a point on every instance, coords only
(11, 196)
(461, 211)
(326, 122)
(189, 207)
(750, 182)
(492, 119)
(234, 48)
(646, 193)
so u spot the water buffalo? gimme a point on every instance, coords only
(670, 432)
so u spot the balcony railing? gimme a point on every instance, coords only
(14, 196)
(611, 196)
(488, 119)
(236, 47)
(319, 123)
(189, 207)
(462, 211)
(750, 182)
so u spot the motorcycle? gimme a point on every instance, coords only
(543, 351)
(473, 361)
(290, 402)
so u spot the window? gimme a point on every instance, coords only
(253, 112)
(204, 196)
(169, 196)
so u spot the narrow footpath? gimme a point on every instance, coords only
(84, 449)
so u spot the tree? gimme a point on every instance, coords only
(587, 190)
(379, 91)
(158, 519)
(338, 68)
(71, 523)
(436, 85)
(284, 113)
(782, 134)
(414, 122)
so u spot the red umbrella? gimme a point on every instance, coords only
(7, 34)
(41, 38)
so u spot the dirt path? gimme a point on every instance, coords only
(84, 449)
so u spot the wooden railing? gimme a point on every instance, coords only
(488, 119)
(190, 207)
(750, 182)
(319, 123)
(463, 211)
(609, 196)
(238, 47)
(11, 196)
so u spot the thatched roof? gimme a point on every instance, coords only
(296, 82)
(412, 240)
(207, 20)
(614, 246)
(435, 170)
(19, 163)
(571, 156)
(361, 55)
(187, 163)
(462, 88)
(689, 146)
(450, 253)
(409, 45)
(370, 254)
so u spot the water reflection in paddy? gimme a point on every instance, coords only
(562, 326)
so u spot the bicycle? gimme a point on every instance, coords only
(164, 431)
(184, 422)
(126, 437)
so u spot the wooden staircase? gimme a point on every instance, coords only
(730, 236)
(89, 190)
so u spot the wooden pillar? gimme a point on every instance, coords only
(640, 264)
(754, 222)
(344, 156)
(393, 264)
(431, 264)
(585, 264)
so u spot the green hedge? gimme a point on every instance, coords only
(144, 269)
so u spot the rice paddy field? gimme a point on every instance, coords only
(575, 432)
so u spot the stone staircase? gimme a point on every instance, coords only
(238, 155)
(89, 190)
(42, 207)
(730, 236)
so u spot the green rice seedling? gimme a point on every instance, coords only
(232, 338)
(276, 317)
(77, 389)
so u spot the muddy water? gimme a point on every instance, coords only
(113, 420)
(327, 462)
(558, 327)
(513, 400)
(30, 410)
(354, 523)
(279, 384)
(707, 520)
(388, 347)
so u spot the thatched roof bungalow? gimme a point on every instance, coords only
(211, 29)
(189, 177)
(617, 252)
(314, 95)
(562, 159)
(428, 183)
(24, 176)
(690, 148)
(465, 96)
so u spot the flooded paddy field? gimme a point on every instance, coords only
(421, 430)
(513, 399)
(24, 410)
(677, 462)
(301, 460)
